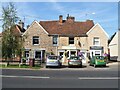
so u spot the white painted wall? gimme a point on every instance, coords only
(113, 46)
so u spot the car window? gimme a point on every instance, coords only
(100, 58)
(75, 58)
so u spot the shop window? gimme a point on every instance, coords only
(97, 53)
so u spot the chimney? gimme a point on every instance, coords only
(28, 26)
(21, 24)
(60, 19)
(70, 19)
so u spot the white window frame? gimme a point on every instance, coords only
(38, 40)
(94, 41)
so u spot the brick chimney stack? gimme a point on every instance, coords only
(70, 19)
(60, 19)
(21, 24)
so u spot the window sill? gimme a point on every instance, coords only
(36, 44)
(55, 45)
(71, 44)
(96, 45)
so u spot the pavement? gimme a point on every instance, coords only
(64, 67)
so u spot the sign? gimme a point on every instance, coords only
(96, 48)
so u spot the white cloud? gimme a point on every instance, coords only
(58, 7)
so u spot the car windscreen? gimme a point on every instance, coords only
(53, 57)
(100, 58)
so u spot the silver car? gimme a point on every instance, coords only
(53, 60)
(75, 61)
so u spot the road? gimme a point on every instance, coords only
(86, 77)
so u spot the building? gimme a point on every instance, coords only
(113, 46)
(60, 36)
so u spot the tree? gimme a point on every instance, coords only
(10, 42)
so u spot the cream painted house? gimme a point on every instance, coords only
(97, 40)
(113, 46)
(60, 36)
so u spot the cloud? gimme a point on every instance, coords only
(58, 7)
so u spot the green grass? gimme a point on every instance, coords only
(22, 66)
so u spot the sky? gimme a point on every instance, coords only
(104, 13)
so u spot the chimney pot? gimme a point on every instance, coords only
(60, 19)
(21, 24)
(70, 18)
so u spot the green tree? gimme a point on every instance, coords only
(10, 42)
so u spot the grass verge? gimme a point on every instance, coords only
(22, 66)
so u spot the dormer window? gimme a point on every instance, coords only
(35, 40)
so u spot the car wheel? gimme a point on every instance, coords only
(90, 65)
(94, 65)
(46, 66)
(80, 66)
(69, 66)
(104, 65)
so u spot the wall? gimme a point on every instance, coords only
(114, 46)
(45, 41)
(98, 32)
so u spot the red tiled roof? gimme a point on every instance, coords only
(67, 28)
(15, 29)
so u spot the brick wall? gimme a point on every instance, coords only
(45, 41)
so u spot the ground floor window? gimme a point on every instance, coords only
(61, 53)
(37, 54)
(73, 53)
(27, 54)
(40, 55)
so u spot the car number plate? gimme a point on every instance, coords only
(51, 60)
(101, 60)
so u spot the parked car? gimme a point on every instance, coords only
(97, 61)
(53, 60)
(75, 61)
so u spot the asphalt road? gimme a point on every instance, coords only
(86, 77)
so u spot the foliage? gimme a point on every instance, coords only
(11, 43)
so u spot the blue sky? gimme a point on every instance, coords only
(104, 13)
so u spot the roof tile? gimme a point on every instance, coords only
(67, 28)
